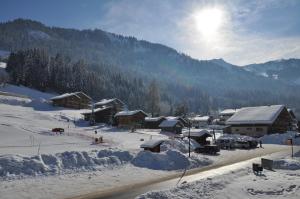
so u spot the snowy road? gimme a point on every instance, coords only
(238, 160)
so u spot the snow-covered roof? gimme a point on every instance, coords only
(95, 110)
(151, 143)
(106, 101)
(82, 93)
(256, 115)
(64, 96)
(2, 65)
(200, 119)
(128, 113)
(153, 119)
(75, 94)
(169, 123)
(196, 132)
(228, 112)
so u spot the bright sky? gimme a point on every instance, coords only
(239, 31)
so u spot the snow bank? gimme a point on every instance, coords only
(287, 164)
(168, 160)
(12, 165)
(12, 100)
(181, 145)
(280, 138)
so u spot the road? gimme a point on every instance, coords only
(169, 181)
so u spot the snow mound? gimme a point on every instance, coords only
(168, 160)
(12, 100)
(13, 165)
(287, 164)
(181, 145)
(280, 138)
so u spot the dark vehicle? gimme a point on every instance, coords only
(208, 149)
(225, 143)
(58, 130)
(241, 144)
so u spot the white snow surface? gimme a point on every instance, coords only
(281, 138)
(240, 182)
(256, 115)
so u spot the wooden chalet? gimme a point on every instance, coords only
(171, 125)
(100, 115)
(117, 104)
(261, 120)
(76, 100)
(181, 119)
(130, 118)
(200, 121)
(153, 122)
(199, 135)
(152, 145)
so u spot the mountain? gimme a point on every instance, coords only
(180, 77)
(287, 70)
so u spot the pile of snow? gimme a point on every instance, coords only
(168, 160)
(12, 100)
(236, 137)
(181, 145)
(287, 164)
(12, 165)
(280, 138)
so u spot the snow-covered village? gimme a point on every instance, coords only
(87, 113)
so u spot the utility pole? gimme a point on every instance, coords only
(189, 137)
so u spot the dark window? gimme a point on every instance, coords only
(259, 129)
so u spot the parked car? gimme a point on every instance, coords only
(253, 143)
(208, 149)
(225, 143)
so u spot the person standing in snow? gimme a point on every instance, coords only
(260, 144)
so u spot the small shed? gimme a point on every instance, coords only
(171, 125)
(152, 145)
(199, 135)
(77, 100)
(153, 122)
(130, 118)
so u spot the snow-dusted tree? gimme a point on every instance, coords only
(153, 99)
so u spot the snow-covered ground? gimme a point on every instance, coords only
(240, 182)
(33, 158)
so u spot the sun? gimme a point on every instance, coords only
(208, 21)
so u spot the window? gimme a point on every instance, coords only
(249, 128)
(236, 129)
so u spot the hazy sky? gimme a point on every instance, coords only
(240, 31)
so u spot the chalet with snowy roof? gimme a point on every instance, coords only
(100, 115)
(76, 100)
(153, 122)
(201, 121)
(130, 118)
(152, 145)
(171, 125)
(115, 103)
(260, 120)
(181, 119)
(226, 114)
(199, 135)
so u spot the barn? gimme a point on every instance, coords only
(260, 120)
(153, 122)
(76, 100)
(130, 118)
(171, 125)
(200, 121)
